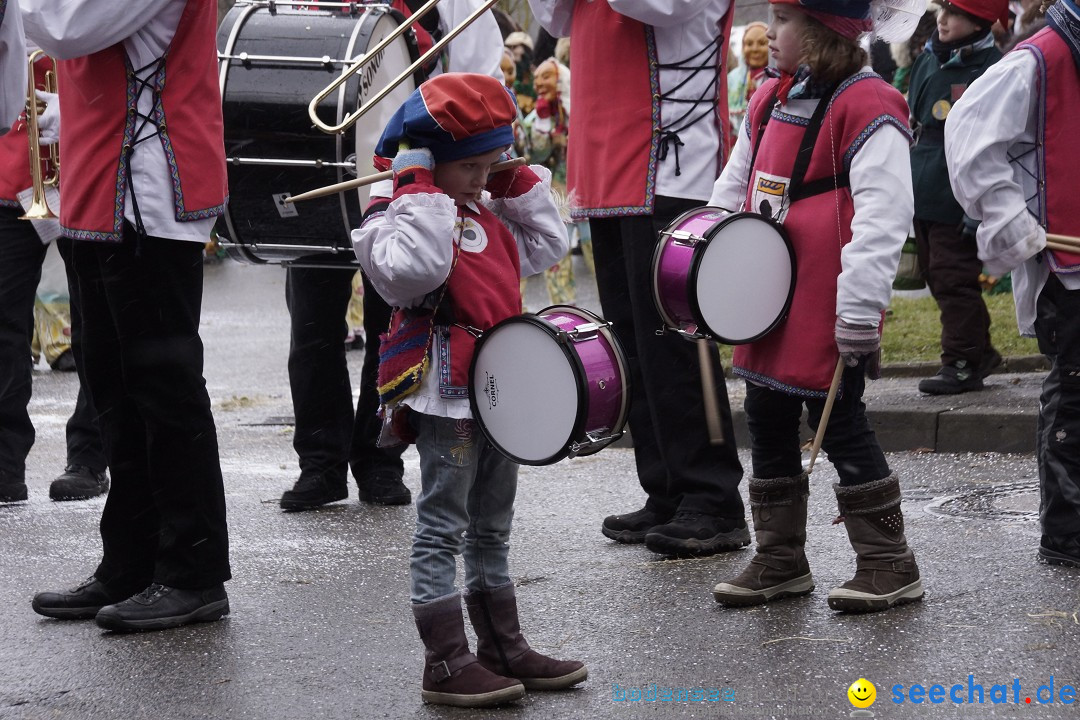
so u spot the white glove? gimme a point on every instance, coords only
(49, 120)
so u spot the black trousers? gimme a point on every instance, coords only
(140, 357)
(676, 464)
(21, 256)
(1057, 327)
(950, 263)
(774, 418)
(329, 436)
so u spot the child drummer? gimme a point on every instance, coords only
(824, 151)
(447, 251)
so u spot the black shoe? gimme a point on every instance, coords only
(160, 607)
(312, 491)
(952, 380)
(79, 482)
(12, 489)
(1053, 552)
(990, 362)
(384, 489)
(64, 363)
(632, 527)
(694, 534)
(79, 603)
(356, 342)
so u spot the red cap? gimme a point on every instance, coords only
(988, 10)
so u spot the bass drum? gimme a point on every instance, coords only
(272, 61)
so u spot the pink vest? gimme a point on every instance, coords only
(800, 355)
(98, 99)
(615, 124)
(15, 151)
(1058, 151)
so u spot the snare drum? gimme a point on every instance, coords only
(729, 277)
(273, 59)
(549, 386)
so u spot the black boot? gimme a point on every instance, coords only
(502, 648)
(779, 569)
(79, 482)
(314, 490)
(452, 674)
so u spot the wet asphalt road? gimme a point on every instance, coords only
(320, 626)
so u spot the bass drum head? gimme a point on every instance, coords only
(525, 391)
(743, 279)
(376, 75)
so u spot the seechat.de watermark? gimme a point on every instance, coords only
(974, 693)
(653, 693)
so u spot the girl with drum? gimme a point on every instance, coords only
(447, 252)
(824, 151)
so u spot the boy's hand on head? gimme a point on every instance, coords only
(412, 165)
(511, 182)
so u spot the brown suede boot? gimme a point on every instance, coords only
(452, 675)
(886, 573)
(779, 568)
(502, 649)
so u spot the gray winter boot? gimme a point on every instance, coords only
(779, 569)
(452, 674)
(886, 573)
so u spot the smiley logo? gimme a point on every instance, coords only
(862, 693)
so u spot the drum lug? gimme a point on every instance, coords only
(586, 331)
(684, 237)
(593, 439)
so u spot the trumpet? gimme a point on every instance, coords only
(39, 207)
(352, 117)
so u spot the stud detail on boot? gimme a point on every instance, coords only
(452, 674)
(502, 648)
(779, 568)
(886, 573)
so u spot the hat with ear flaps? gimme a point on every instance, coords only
(890, 20)
(455, 115)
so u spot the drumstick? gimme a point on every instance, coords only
(1062, 247)
(1066, 243)
(825, 413)
(708, 391)
(389, 174)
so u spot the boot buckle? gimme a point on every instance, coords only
(440, 671)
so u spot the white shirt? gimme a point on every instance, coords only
(72, 28)
(397, 252)
(880, 180)
(996, 118)
(681, 28)
(13, 87)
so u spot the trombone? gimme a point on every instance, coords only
(352, 117)
(39, 207)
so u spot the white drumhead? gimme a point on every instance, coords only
(376, 75)
(743, 280)
(526, 391)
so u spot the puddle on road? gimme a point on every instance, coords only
(1015, 501)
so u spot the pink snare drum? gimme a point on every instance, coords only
(722, 275)
(549, 386)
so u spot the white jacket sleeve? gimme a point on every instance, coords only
(729, 190)
(479, 47)
(880, 176)
(995, 113)
(554, 15)
(72, 28)
(534, 221)
(407, 251)
(12, 66)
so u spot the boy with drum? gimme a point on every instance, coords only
(447, 251)
(824, 152)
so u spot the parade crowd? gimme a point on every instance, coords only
(843, 127)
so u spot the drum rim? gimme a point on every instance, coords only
(695, 264)
(618, 428)
(658, 251)
(579, 373)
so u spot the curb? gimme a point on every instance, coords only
(1015, 364)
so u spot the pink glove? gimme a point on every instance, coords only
(511, 183)
(543, 107)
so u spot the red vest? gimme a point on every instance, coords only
(98, 95)
(800, 355)
(1058, 151)
(15, 150)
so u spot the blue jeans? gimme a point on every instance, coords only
(465, 507)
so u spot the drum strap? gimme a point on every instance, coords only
(800, 190)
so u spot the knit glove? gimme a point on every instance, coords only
(412, 165)
(857, 341)
(512, 182)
